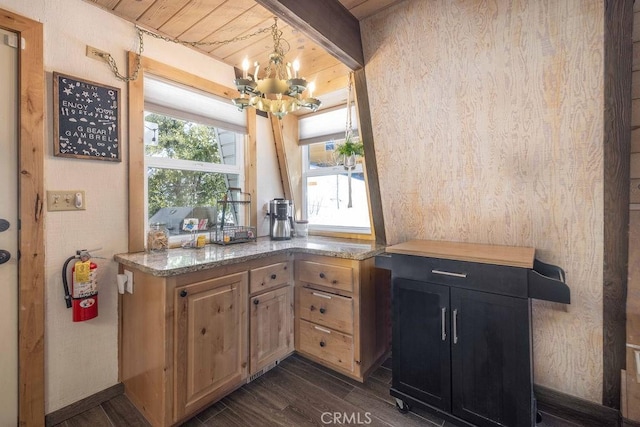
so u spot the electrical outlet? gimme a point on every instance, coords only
(129, 284)
(96, 53)
(71, 200)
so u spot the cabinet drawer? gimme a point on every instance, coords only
(332, 276)
(326, 309)
(329, 345)
(270, 276)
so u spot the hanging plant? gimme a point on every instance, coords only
(350, 147)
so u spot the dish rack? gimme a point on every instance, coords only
(234, 225)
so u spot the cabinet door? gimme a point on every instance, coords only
(271, 327)
(420, 340)
(210, 340)
(491, 358)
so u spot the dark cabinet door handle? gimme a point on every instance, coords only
(322, 276)
(256, 301)
(273, 277)
(322, 344)
(183, 293)
(4, 256)
(322, 310)
(455, 326)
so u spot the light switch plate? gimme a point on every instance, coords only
(69, 200)
(129, 284)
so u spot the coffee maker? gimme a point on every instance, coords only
(281, 219)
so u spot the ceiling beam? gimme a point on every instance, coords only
(327, 23)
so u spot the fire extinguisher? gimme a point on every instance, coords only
(83, 296)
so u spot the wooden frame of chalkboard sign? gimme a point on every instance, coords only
(86, 119)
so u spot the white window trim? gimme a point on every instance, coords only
(326, 171)
(190, 165)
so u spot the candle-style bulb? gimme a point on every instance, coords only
(296, 68)
(245, 68)
(311, 88)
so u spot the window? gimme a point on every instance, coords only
(190, 159)
(335, 198)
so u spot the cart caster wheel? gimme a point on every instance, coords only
(538, 417)
(403, 408)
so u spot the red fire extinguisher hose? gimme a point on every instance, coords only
(65, 282)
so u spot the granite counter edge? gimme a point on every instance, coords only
(244, 258)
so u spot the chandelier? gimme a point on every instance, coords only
(279, 92)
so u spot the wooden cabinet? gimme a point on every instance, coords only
(340, 314)
(210, 347)
(188, 340)
(185, 340)
(271, 315)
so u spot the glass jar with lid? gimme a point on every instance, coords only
(157, 237)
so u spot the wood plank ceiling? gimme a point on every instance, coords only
(218, 20)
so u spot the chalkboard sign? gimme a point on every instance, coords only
(86, 119)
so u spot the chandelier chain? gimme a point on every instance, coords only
(141, 32)
(349, 128)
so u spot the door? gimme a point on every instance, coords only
(420, 340)
(8, 230)
(210, 340)
(270, 327)
(491, 356)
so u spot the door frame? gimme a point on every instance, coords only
(31, 132)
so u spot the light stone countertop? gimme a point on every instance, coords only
(179, 261)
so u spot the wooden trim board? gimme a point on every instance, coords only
(511, 256)
(584, 412)
(31, 264)
(83, 405)
(618, 29)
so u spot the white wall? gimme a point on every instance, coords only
(82, 358)
(269, 182)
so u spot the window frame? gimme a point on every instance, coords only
(334, 230)
(137, 169)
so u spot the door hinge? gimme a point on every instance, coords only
(11, 40)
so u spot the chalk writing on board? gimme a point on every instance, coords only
(86, 119)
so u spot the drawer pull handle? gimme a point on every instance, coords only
(256, 301)
(326, 331)
(321, 295)
(183, 293)
(273, 277)
(312, 308)
(322, 311)
(455, 326)
(448, 273)
(322, 344)
(444, 320)
(322, 276)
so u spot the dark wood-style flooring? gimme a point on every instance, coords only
(295, 393)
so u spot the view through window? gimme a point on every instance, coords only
(336, 196)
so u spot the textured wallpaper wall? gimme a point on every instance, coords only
(493, 134)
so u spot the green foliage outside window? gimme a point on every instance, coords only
(184, 140)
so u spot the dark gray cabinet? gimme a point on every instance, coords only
(462, 337)
(463, 352)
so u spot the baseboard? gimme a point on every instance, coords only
(630, 423)
(572, 408)
(70, 411)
